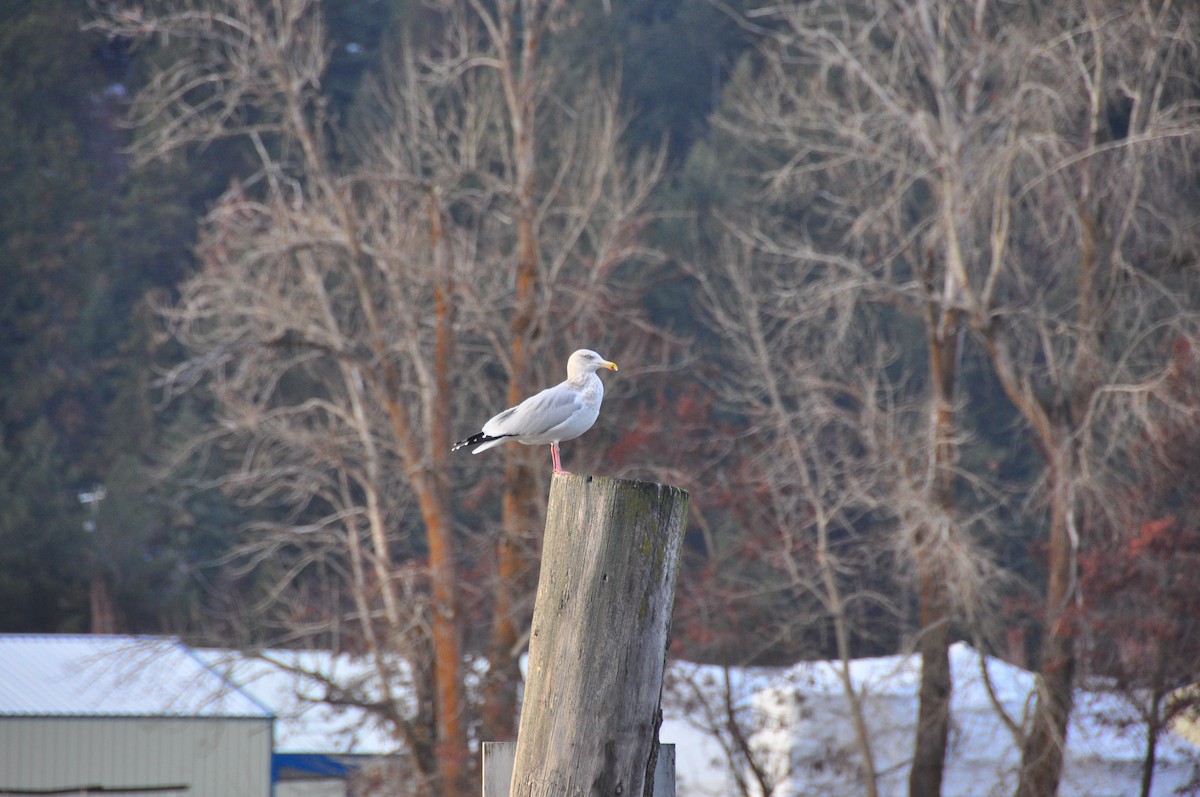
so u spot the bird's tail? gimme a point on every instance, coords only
(478, 437)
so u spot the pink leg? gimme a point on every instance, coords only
(557, 464)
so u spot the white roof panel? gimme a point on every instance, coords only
(112, 676)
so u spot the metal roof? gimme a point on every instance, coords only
(113, 676)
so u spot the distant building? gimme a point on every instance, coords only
(126, 715)
(152, 716)
(321, 750)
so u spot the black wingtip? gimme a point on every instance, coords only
(478, 437)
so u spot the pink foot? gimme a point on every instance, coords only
(558, 469)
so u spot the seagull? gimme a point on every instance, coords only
(558, 413)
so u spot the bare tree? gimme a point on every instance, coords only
(859, 253)
(718, 701)
(829, 460)
(1019, 172)
(336, 296)
(571, 201)
(1138, 578)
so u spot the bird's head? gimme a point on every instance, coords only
(586, 361)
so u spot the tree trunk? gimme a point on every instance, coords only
(1153, 729)
(515, 558)
(1042, 753)
(599, 638)
(103, 609)
(447, 659)
(936, 609)
(515, 553)
(933, 714)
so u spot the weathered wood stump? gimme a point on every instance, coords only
(498, 759)
(598, 643)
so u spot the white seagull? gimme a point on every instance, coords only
(558, 413)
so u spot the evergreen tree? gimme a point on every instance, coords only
(84, 241)
(42, 579)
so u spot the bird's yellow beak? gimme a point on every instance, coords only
(610, 366)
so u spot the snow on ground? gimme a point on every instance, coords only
(799, 721)
(797, 717)
(293, 684)
(803, 731)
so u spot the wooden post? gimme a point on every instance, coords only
(498, 759)
(598, 643)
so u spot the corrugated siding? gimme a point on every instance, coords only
(213, 757)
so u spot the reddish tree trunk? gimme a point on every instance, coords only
(516, 550)
(103, 609)
(1042, 752)
(515, 560)
(452, 751)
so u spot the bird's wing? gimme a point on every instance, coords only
(537, 414)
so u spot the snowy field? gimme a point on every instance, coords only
(797, 729)
(802, 732)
